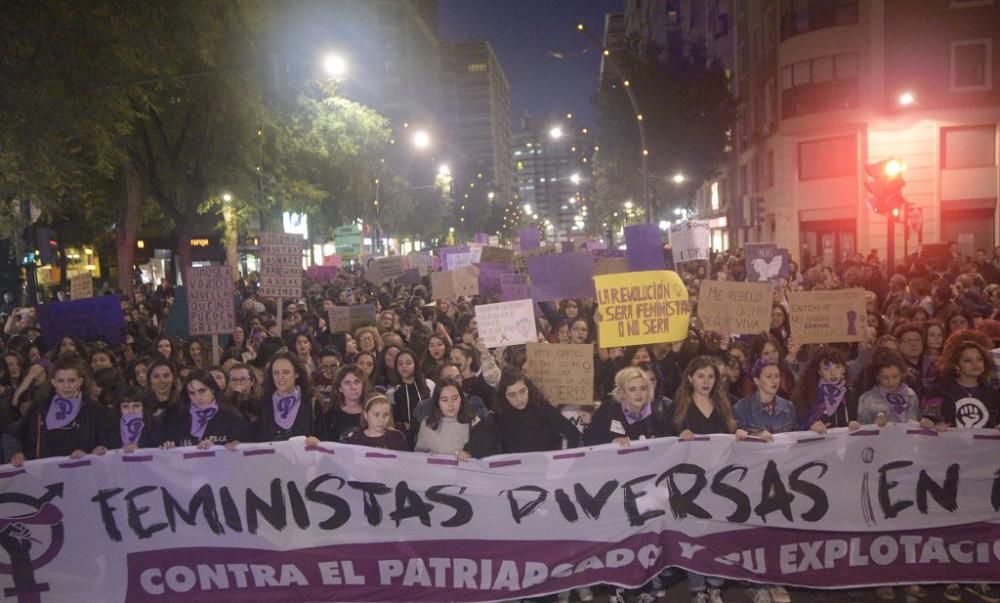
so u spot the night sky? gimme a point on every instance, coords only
(523, 33)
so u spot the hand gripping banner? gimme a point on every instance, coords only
(278, 522)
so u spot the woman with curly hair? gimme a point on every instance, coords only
(965, 397)
(823, 398)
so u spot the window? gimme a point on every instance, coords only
(826, 83)
(476, 68)
(803, 16)
(968, 147)
(971, 65)
(827, 158)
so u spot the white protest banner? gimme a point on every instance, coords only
(733, 306)
(563, 371)
(690, 240)
(81, 286)
(454, 261)
(210, 300)
(506, 323)
(281, 265)
(278, 521)
(827, 316)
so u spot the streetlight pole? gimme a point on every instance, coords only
(647, 201)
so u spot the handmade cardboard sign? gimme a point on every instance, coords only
(421, 260)
(389, 267)
(496, 255)
(514, 287)
(641, 307)
(211, 310)
(827, 316)
(349, 318)
(281, 265)
(455, 283)
(690, 241)
(563, 371)
(489, 277)
(736, 307)
(81, 286)
(323, 274)
(610, 265)
(506, 323)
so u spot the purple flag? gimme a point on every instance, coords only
(562, 276)
(644, 247)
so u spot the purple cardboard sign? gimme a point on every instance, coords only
(766, 263)
(530, 238)
(562, 276)
(514, 287)
(444, 252)
(490, 277)
(644, 247)
(481, 238)
(409, 277)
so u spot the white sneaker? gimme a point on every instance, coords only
(715, 595)
(762, 595)
(779, 594)
(585, 594)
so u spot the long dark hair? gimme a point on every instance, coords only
(434, 416)
(301, 377)
(948, 362)
(684, 399)
(418, 373)
(205, 378)
(158, 361)
(883, 359)
(807, 389)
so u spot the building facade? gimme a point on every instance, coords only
(552, 160)
(826, 88)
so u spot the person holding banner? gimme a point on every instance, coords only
(449, 423)
(286, 409)
(243, 392)
(206, 421)
(468, 359)
(701, 407)
(163, 387)
(68, 423)
(376, 429)
(408, 389)
(136, 426)
(966, 398)
(629, 415)
(523, 421)
(823, 398)
(350, 389)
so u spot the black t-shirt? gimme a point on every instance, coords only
(697, 422)
(337, 425)
(969, 407)
(390, 440)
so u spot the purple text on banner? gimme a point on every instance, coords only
(489, 278)
(644, 247)
(530, 238)
(562, 276)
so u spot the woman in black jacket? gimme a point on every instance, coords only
(206, 421)
(286, 408)
(65, 422)
(136, 426)
(629, 414)
(522, 421)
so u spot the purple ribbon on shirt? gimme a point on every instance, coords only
(131, 429)
(200, 418)
(286, 408)
(62, 412)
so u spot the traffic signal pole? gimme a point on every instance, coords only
(890, 238)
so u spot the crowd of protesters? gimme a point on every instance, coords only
(420, 379)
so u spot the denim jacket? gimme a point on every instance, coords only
(750, 415)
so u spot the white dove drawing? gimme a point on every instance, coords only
(767, 270)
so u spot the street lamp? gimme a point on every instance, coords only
(575, 178)
(335, 65)
(555, 133)
(678, 178)
(906, 99)
(421, 139)
(444, 170)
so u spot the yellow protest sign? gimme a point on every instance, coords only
(641, 307)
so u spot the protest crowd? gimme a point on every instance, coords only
(370, 361)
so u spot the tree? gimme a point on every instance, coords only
(687, 112)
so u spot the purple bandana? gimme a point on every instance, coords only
(897, 401)
(635, 417)
(200, 418)
(831, 395)
(62, 411)
(286, 408)
(131, 429)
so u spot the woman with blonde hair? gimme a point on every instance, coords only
(629, 415)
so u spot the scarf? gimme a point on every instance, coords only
(131, 429)
(63, 411)
(286, 408)
(898, 401)
(831, 396)
(200, 418)
(634, 417)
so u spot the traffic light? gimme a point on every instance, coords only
(885, 185)
(48, 245)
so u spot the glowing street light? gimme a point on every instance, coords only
(906, 99)
(444, 170)
(628, 205)
(556, 133)
(227, 197)
(421, 139)
(679, 178)
(335, 65)
(575, 178)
